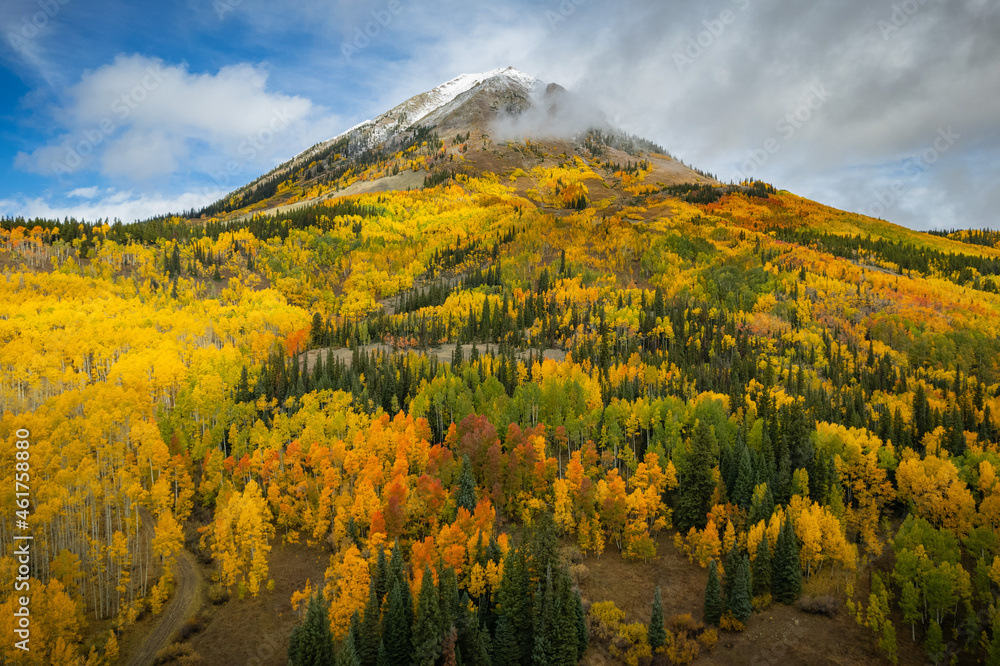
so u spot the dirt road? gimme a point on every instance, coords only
(182, 605)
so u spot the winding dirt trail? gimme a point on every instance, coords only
(183, 604)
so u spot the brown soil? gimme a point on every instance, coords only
(255, 631)
(778, 636)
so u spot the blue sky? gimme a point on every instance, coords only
(126, 109)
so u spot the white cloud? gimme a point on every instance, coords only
(84, 192)
(143, 119)
(125, 205)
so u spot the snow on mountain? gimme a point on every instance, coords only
(372, 132)
(411, 111)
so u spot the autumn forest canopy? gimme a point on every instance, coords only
(541, 356)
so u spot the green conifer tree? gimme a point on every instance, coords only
(370, 630)
(762, 569)
(657, 634)
(448, 598)
(311, 643)
(380, 581)
(746, 479)
(427, 632)
(506, 651)
(466, 496)
(582, 631)
(739, 599)
(696, 483)
(565, 650)
(348, 654)
(786, 571)
(713, 595)
(396, 627)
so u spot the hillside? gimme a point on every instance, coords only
(500, 414)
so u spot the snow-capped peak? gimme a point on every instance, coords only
(420, 106)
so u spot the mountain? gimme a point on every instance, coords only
(492, 110)
(418, 109)
(484, 340)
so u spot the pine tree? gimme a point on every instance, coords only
(355, 632)
(746, 479)
(762, 568)
(397, 573)
(396, 627)
(506, 651)
(739, 599)
(316, 330)
(697, 483)
(380, 582)
(383, 658)
(582, 631)
(657, 634)
(348, 654)
(312, 643)
(921, 412)
(713, 595)
(768, 466)
(427, 630)
(783, 477)
(565, 634)
(729, 580)
(543, 546)
(956, 435)
(468, 626)
(448, 597)
(542, 623)
(786, 571)
(466, 487)
(370, 635)
(514, 599)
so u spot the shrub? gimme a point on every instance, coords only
(631, 644)
(681, 649)
(708, 639)
(191, 627)
(605, 618)
(177, 654)
(730, 623)
(685, 624)
(823, 605)
(580, 573)
(218, 594)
